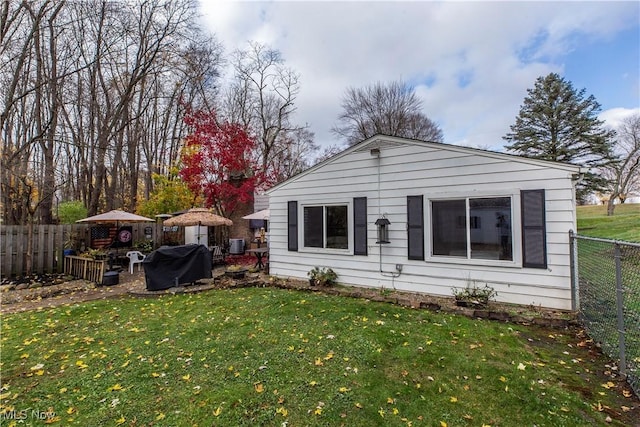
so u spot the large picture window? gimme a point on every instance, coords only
(475, 228)
(326, 227)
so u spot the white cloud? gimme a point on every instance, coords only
(614, 116)
(497, 48)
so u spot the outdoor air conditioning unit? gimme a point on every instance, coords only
(236, 246)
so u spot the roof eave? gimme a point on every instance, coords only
(377, 139)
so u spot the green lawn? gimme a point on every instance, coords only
(265, 356)
(623, 225)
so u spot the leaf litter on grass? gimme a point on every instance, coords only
(267, 356)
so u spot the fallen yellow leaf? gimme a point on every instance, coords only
(51, 420)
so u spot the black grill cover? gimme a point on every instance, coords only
(171, 266)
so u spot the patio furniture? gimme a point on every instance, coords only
(260, 253)
(217, 255)
(135, 257)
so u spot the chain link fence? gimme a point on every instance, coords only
(606, 283)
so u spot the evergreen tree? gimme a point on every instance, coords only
(558, 123)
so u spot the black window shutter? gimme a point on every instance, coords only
(360, 226)
(292, 229)
(534, 232)
(415, 227)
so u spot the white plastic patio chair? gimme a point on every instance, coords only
(135, 257)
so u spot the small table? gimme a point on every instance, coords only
(260, 253)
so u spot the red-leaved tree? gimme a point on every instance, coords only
(218, 162)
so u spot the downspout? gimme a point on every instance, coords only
(392, 274)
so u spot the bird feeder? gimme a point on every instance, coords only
(383, 230)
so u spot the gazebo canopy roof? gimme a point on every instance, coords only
(198, 216)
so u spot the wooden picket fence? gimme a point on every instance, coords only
(85, 268)
(47, 252)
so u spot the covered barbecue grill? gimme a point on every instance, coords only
(171, 266)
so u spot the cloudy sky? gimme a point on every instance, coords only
(470, 62)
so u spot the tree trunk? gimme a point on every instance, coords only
(611, 205)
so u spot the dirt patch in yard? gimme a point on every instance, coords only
(50, 291)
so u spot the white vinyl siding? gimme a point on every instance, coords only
(433, 171)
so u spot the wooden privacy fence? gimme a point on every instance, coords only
(48, 245)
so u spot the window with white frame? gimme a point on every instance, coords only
(472, 228)
(326, 226)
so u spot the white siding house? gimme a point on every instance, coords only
(456, 216)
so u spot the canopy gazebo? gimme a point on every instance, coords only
(198, 217)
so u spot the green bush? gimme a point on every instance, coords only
(71, 211)
(144, 246)
(321, 276)
(474, 296)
